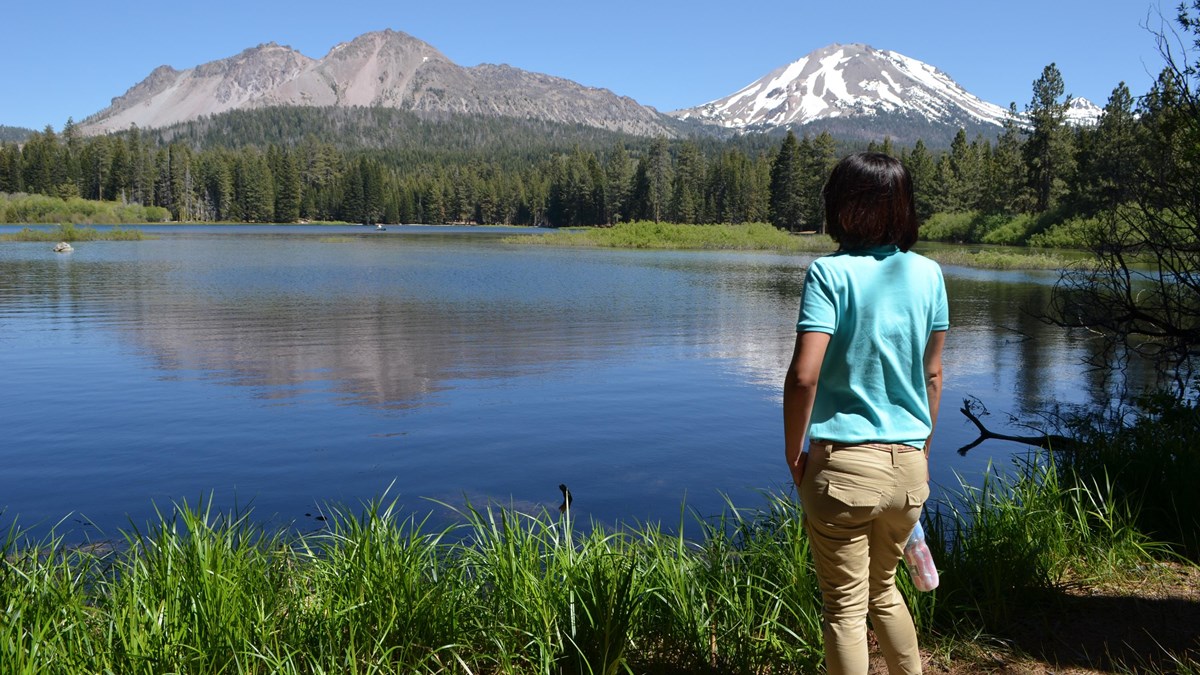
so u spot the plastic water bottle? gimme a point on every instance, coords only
(919, 560)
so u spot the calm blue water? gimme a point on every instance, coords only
(265, 366)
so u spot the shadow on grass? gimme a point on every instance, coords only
(1113, 632)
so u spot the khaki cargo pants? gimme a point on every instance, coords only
(860, 503)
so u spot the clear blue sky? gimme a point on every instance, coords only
(69, 58)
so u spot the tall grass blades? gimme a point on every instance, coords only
(770, 602)
(519, 567)
(193, 592)
(1148, 461)
(1006, 545)
(743, 599)
(45, 624)
(500, 591)
(608, 584)
(376, 588)
(676, 620)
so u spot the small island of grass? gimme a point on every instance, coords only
(662, 235)
(69, 232)
(764, 237)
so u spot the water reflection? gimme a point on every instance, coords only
(297, 370)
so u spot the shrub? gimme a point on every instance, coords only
(1077, 232)
(1011, 231)
(952, 227)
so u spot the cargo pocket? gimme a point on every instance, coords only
(853, 496)
(918, 495)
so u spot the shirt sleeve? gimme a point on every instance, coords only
(941, 307)
(818, 309)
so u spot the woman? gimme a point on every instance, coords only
(864, 384)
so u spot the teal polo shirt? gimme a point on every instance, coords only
(879, 306)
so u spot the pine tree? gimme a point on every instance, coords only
(818, 163)
(1110, 169)
(288, 187)
(253, 188)
(1007, 185)
(731, 188)
(923, 171)
(10, 168)
(183, 186)
(956, 175)
(163, 187)
(1048, 152)
(658, 179)
(618, 184)
(688, 198)
(787, 186)
(117, 177)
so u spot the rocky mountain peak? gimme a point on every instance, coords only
(384, 68)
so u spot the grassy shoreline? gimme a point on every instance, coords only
(765, 237)
(508, 592)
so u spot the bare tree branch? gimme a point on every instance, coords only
(1047, 441)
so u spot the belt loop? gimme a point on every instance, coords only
(893, 447)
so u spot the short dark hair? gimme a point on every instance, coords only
(869, 202)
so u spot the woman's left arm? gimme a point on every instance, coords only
(933, 378)
(799, 392)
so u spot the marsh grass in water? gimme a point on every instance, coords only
(501, 591)
(1000, 260)
(765, 237)
(69, 232)
(650, 235)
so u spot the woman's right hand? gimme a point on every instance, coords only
(797, 468)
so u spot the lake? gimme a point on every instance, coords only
(286, 368)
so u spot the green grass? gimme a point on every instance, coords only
(760, 237)
(1148, 458)
(999, 260)
(1018, 538)
(649, 235)
(69, 232)
(337, 239)
(501, 591)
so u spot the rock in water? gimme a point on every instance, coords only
(62, 247)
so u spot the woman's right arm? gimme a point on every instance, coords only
(799, 392)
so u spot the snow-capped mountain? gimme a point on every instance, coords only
(1081, 112)
(386, 69)
(852, 80)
